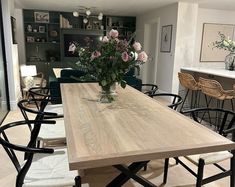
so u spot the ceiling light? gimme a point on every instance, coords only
(85, 20)
(75, 14)
(87, 13)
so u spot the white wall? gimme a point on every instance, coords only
(11, 54)
(210, 16)
(20, 36)
(185, 39)
(165, 61)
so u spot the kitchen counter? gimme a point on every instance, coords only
(212, 71)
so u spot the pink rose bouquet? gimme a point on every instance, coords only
(111, 60)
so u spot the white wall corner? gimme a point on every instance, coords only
(185, 39)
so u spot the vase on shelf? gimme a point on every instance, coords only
(230, 61)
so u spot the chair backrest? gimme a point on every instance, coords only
(176, 100)
(211, 87)
(149, 89)
(38, 111)
(188, 81)
(30, 149)
(227, 117)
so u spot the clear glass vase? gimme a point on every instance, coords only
(230, 61)
(106, 95)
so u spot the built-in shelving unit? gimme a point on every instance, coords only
(45, 30)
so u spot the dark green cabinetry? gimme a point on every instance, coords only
(44, 31)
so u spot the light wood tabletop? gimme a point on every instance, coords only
(133, 128)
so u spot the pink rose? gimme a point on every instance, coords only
(125, 56)
(137, 46)
(142, 57)
(95, 54)
(105, 39)
(113, 33)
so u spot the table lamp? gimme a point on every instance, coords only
(28, 72)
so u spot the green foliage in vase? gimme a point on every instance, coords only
(225, 43)
(112, 58)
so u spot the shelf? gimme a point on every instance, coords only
(35, 33)
(32, 22)
(42, 42)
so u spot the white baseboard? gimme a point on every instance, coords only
(13, 105)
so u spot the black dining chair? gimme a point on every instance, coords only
(53, 135)
(42, 166)
(174, 100)
(43, 93)
(201, 160)
(149, 89)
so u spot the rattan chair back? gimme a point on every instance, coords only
(188, 81)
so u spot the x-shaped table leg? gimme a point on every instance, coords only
(128, 173)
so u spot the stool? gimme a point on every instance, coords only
(188, 82)
(213, 89)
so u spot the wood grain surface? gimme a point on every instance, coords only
(133, 128)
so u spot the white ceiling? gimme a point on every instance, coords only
(118, 7)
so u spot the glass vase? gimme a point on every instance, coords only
(229, 61)
(106, 95)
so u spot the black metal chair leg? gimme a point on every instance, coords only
(184, 100)
(165, 170)
(200, 172)
(232, 163)
(78, 181)
(146, 167)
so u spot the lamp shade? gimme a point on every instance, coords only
(27, 71)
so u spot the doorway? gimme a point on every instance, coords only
(151, 37)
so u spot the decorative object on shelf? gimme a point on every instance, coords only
(64, 23)
(87, 12)
(29, 28)
(35, 30)
(28, 72)
(110, 61)
(13, 29)
(228, 45)
(30, 39)
(53, 33)
(41, 29)
(41, 17)
(166, 36)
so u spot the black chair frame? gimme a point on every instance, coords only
(30, 149)
(151, 91)
(176, 101)
(199, 175)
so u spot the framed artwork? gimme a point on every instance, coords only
(210, 34)
(13, 30)
(166, 37)
(41, 29)
(41, 17)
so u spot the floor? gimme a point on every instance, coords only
(178, 176)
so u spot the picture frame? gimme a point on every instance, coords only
(13, 30)
(30, 39)
(166, 37)
(210, 34)
(41, 29)
(41, 17)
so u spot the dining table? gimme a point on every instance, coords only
(129, 132)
